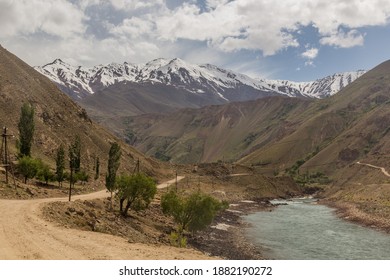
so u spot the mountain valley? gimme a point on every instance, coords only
(236, 138)
(276, 133)
(184, 113)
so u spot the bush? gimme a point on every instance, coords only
(136, 190)
(28, 167)
(178, 240)
(44, 173)
(82, 176)
(191, 213)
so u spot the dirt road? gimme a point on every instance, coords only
(170, 182)
(24, 234)
(376, 167)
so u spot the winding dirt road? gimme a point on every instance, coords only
(376, 167)
(24, 234)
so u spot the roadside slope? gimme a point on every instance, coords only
(25, 234)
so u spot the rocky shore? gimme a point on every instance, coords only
(366, 215)
(226, 236)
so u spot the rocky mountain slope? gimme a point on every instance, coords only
(337, 132)
(212, 133)
(208, 80)
(57, 118)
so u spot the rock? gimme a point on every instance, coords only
(80, 213)
(29, 191)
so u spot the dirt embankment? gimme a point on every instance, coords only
(26, 234)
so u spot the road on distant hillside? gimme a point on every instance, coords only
(170, 182)
(376, 167)
(24, 234)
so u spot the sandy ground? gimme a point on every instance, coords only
(24, 234)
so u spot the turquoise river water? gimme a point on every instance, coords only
(304, 230)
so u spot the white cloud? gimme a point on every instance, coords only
(310, 63)
(142, 30)
(310, 53)
(344, 39)
(212, 4)
(135, 4)
(269, 26)
(59, 18)
(133, 28)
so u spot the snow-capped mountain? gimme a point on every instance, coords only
(320, 88)
(208, 79)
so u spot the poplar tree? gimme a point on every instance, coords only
(97, 168)
(72, 166)
(60, 164)
(26, 129)
(113, 165)
(77, 154)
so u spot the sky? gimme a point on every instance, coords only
(298, 40)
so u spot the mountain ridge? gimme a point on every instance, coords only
(225, 85)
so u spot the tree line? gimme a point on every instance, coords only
(30, 167)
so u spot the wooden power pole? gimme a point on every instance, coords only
(4, 153)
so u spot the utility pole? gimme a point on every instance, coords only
(136, 167)
(176, 180)
(70, 183)
(4, 147)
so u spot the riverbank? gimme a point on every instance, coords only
(361, 213)
(226, 236)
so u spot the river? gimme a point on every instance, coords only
(304, 230)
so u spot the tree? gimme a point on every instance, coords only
(28, 167)
(114, 156)
(26, 129)
(136, 190)
(97, 168)
(74, 162)
(72, 165)
(44, 173)
(191, 213)
(76, 149)
(82, 176)
(60, 165)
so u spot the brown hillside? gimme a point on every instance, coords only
(57, 118)
(215, 133)
(273, 133)
(348, 127)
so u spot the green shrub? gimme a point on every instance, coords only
(136, 190)
(28, 167)
(44, 173)
(191, 213)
